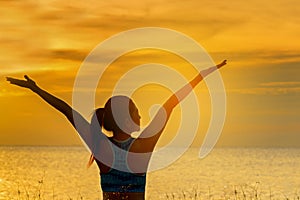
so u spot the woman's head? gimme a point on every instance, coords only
(119, 115)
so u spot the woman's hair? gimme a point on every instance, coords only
(97, 119)
(111, 117)
(96, 124)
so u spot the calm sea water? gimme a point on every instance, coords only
(226, 173)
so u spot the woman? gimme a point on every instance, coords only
(122, 159)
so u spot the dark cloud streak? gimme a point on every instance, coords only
(263, 55)
(68, 54)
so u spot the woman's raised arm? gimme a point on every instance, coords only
(182, 93)
(82, 126)
(152, 132)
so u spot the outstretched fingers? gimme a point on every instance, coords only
(11, 80)
(8, 79)
(22, 83)
(222, 64)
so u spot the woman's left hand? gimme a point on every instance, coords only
(28, 83)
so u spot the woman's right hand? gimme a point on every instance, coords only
(28, 83)
(221, 64)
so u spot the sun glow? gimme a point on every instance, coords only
(48, 40)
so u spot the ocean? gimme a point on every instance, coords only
(226, 173)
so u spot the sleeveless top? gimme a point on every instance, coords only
(122, 181)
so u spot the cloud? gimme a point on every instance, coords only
(273, 88)
(5, 93)
(267, 91)
(61, 31)
(260, 56)
(109, 17)
(66, 54)
(280, 84)
(67, 29)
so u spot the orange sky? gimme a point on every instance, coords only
(48, 40)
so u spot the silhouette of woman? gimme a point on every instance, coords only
(122, 172)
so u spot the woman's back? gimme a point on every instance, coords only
(117, 180)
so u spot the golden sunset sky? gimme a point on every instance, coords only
(48, 40)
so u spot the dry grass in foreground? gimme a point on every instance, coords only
(241, 192)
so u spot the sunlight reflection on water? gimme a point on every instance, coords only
(61, 173)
